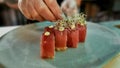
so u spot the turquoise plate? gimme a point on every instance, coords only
(20, 48)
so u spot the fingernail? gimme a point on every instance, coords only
(63, 15)
(53, 20)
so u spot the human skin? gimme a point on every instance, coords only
(40, 9)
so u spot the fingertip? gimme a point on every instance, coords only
(62, 16)
(52, 20)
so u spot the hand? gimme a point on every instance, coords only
(40, 9)
(69, 7)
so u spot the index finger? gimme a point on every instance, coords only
(54, 7)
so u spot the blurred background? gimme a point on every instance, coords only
(97, 11)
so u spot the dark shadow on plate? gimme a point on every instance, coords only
(118, 26)
(2, 66)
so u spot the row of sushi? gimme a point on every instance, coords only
(64, 34)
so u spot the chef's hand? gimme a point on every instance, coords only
(40, 9)
(69, 7)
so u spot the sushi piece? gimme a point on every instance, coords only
(82, 32)
(47, 45)
(73, 37)
(81, 26)
(60, 39)
(72, 34)
(60, 36)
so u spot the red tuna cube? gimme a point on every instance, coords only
(73, 38)
(82, 32)
(60, 40)
(47, 46)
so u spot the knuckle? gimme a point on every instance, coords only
(42, 9)
(50, 2)
(35, 17)
(52, 18)
(29, 17)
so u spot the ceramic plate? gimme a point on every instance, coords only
(21, 49)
